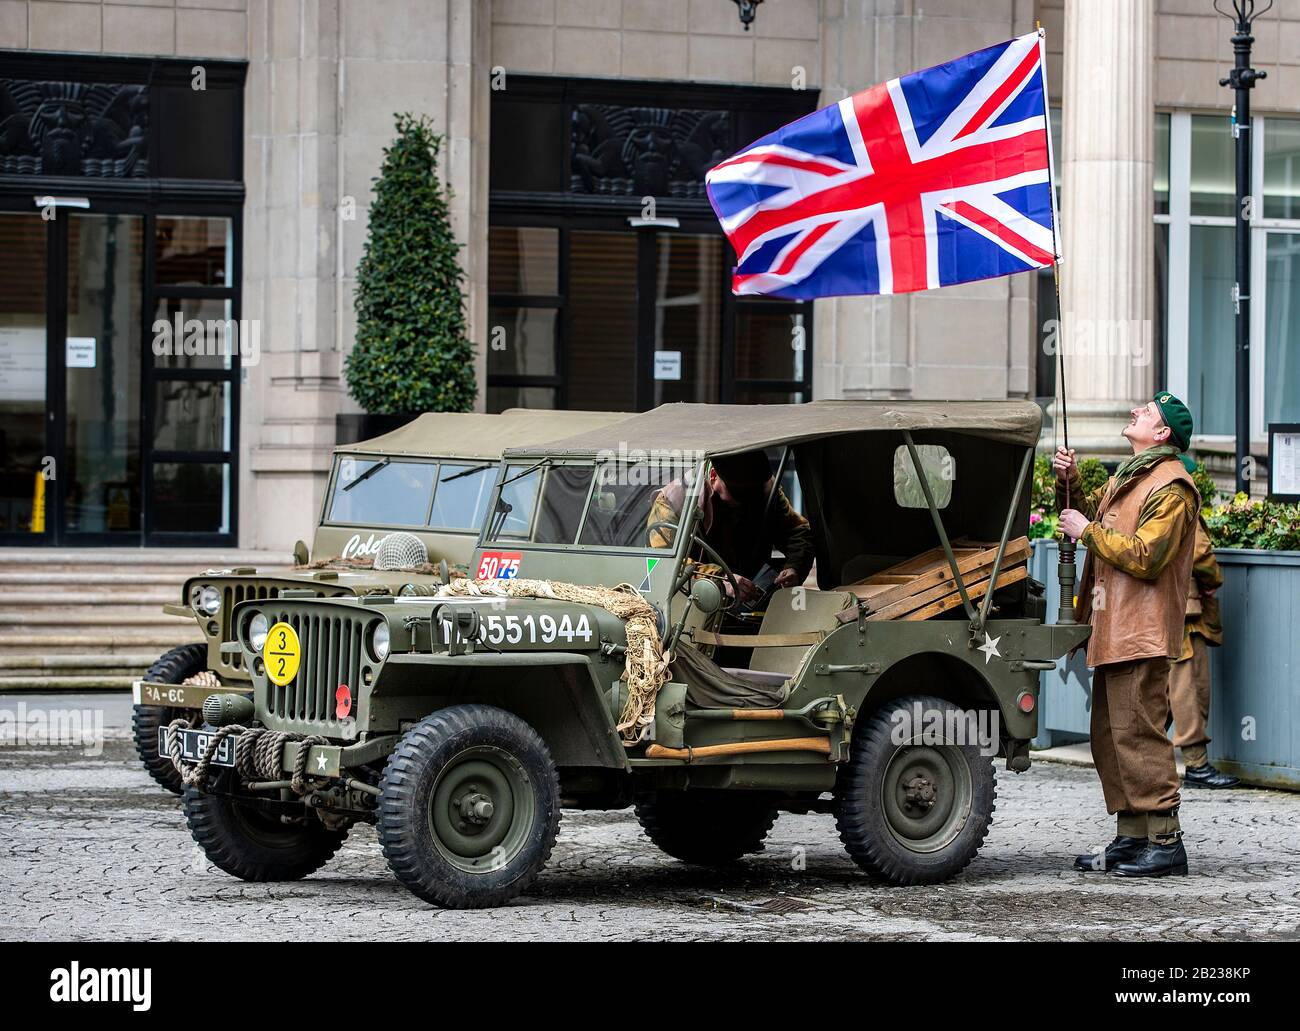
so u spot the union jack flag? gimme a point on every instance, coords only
(939, 177)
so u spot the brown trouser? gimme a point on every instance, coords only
(1189, 701)
(1134, 758)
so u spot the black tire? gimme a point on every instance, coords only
(254, 845)
(902, 830)
(708, 828)
(469, 807)
(171, 667)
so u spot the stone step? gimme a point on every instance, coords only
(79, 617)
(41, 577)
(142, 557)
(152, 598)
(59, 682)
(28, 663)
(133, 641)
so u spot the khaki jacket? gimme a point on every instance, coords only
(1133, 617)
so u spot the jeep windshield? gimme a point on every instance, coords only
(423, 494)
(605, 504)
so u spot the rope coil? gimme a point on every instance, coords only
(257, 754)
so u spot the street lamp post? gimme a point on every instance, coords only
(1242, 80)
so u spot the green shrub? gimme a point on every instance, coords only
(1266, 525)
(1042, 501)
(412, 352)
(1205, 485)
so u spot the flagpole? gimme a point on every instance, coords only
(1065, 570)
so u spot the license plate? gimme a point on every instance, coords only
(194, 746)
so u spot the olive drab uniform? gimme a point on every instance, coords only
(1133, 592)
(1189, 679)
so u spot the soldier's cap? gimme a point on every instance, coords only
(1177, 417)
(747, 471)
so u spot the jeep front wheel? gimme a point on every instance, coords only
(469, 807)
(172, 667)
(915, 808)
(255, 845)
(708, 828)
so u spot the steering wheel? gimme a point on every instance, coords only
(709, 551)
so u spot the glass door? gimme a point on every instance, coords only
(25, 463)
(99, 474)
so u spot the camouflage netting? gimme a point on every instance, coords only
(646, 665)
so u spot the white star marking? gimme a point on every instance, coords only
(320, 762)
(990, 648)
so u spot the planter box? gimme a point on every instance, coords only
(1255, 673)
(1065, 696)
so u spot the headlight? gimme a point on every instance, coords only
(258, 627)
(205, 599)
(380, 639)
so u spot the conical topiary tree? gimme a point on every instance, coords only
(411, 353)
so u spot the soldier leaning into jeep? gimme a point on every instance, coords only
(1140, 532)
(739, 523)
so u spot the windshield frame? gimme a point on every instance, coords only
(331, 489)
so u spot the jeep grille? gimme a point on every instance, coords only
(331, 655)
(231, 595)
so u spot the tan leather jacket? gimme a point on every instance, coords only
(1135, 618)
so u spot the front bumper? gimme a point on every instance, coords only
(177, 696)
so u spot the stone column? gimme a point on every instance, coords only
(324, 81)
(1107, 280)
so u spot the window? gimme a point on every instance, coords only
(1213, 170)
(1196, 245)
(940, 471)
(564, 495)
(461, 496)
(621, 506)
(608, 275)
(381, 492)
(1281, 400)
(514, 512)
(1211, 360)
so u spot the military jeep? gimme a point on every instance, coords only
(461, 725)
(430, 479)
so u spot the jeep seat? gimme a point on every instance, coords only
(791, 613)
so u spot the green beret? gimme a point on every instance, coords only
(1176, 417)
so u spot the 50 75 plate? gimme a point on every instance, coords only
(194, 746)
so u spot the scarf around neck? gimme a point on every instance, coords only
(1143, 460)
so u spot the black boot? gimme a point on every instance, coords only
(1121, 850)
(1157, 861)
(1206, 776)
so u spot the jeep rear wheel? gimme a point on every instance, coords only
(255, 845)
(469, 807)
(709, 828)
(172, 667)
(915, 811)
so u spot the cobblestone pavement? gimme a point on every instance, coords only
(90, 848)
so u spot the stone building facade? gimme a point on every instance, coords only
(1139, 158)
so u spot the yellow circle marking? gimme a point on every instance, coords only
(282, 653)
